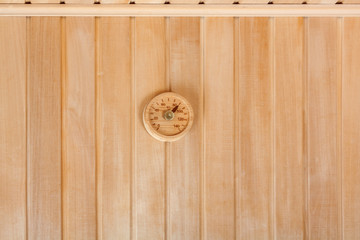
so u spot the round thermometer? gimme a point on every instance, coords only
(168, 117)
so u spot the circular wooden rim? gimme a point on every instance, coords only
(159, 136)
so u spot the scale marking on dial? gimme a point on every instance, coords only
(168, 117)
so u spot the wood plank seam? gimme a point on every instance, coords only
(307, 36)
(236, 123)
(64, 184)
(340, 36)
(305, 129)
(98, 139)
(202, 164)
(27, 164)
(167, 216)
(342, 128)
(273, 127)
(133, 235)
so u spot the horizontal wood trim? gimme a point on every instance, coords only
(179, 10)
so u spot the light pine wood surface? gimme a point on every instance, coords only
(113, 127)
(273, 152)
(44, 128)
(324, 197)
(255, 147)
(219, 132)
(13, 147)
(78, 133)
(288, 128)
(186, 155)
(351, 129)
(150, 155)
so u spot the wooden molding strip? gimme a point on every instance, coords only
(142, 10)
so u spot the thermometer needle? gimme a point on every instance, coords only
(175, 108)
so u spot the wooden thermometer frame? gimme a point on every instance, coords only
(159, 136)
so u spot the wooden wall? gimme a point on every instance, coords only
(274, 152)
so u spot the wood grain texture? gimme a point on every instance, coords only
(253, 1)
(184, 1)
(289, 159)
(219, 128)
(12, 1)
(218, 1)
(329, 2)
(351, 129)
(322, 133)
(44, 128)
(114, 143)
(150, 1)
(256, 156)
(350, 1)
(289, 1)
(186, 154)
(13, 128)
(114, 1)
(80, 1)
(45, 1)
(273, 152)
(79, 130)
(149, 163)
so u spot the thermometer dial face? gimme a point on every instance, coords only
(168, 117)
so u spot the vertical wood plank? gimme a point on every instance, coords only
(44, 128)
(351, 129)
(322, 87)
(256, 155)
(186, 153)
(150, 80)
(289, 166)
(114, 76)
(13, 128)
(219, 128)
(79, 130)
